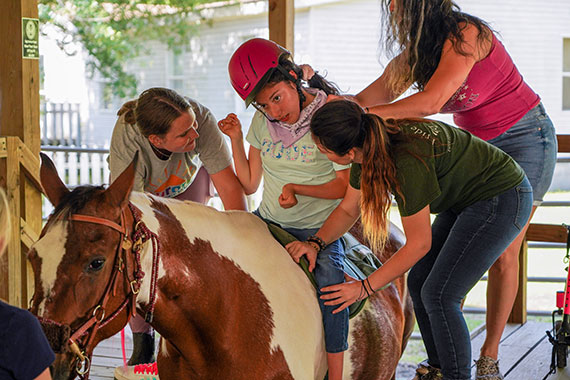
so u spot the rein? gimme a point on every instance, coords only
(81, 340)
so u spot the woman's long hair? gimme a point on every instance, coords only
(342, 125)
(420, 28)
(154, 110)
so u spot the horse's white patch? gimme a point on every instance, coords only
(163, 347)
(244, 239)
(51, 249)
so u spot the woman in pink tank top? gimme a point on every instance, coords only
(458, 66)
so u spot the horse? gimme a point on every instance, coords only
(226, 298)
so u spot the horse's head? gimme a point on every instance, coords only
(81, 270)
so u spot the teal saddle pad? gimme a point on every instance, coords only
(359, 263)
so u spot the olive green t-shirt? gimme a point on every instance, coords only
(456, 169)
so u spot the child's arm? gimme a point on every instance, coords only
(334, 189)
(248, 172)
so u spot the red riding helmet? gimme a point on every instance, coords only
(251, 66)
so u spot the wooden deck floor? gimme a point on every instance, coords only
(525, 354)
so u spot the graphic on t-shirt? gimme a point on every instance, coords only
(304, 152)
(457, 101)
(173, 184)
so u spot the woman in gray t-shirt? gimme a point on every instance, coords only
(180, 148)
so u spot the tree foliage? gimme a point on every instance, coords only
(114, 31)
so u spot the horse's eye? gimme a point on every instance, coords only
(96, 265)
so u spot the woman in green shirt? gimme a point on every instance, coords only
(481, 196)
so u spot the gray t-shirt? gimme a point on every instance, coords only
(171, 177)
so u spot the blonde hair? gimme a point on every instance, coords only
(4, 222)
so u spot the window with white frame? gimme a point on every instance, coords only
(566, 74)
(175, 74)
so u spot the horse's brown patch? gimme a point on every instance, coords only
(216, 315)
(377, 338)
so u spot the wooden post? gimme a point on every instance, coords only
(536, 232)
(19, 119)
(519, 311)
(282, 23)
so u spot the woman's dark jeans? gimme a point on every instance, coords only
(464, 246)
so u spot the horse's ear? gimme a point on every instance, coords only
(119, 191)
(54, 188)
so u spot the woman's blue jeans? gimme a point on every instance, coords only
(531, 142)
(329, 270)
(464, 246)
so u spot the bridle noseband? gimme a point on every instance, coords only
(80, 341)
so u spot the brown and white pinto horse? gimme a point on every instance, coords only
(229, 301)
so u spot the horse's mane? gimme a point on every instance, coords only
(75, 200)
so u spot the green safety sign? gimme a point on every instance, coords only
(30, 38)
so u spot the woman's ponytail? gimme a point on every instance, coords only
(342, 125)
(377, 178)
(128, 109)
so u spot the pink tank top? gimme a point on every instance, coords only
(493, 97)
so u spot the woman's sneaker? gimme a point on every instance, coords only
(488, 369)
(137, 372)
(427, 372)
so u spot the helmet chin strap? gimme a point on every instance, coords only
(264, 113)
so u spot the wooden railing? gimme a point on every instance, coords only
(550, 233)
(19, 168)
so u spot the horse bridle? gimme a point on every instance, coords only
(77, 343)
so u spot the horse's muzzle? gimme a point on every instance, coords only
(63, 368)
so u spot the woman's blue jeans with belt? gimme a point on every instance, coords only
(464, 246)
(329, 270)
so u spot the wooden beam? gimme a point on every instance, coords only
(282, 23)
(563, 143)
(19, 122)
(19, 77)
(552, 233)
(12, 262)
(518, 312)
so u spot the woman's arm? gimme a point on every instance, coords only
(451, 72)
(338, 222)
(229, 189)
(417, 228)
(333, 189)
(248, 171)
(379, 92)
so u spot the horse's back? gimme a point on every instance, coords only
(264, 274)
(295, 330)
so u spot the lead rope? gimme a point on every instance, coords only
(123, 347)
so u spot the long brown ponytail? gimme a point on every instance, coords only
(342, 125)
